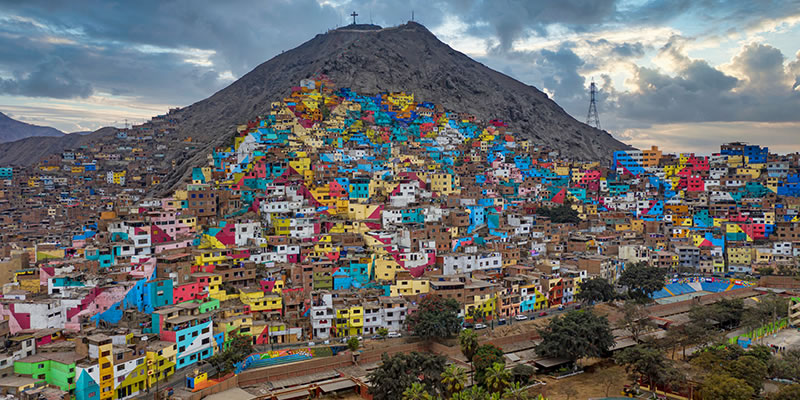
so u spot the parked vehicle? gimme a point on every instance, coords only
(467, 325)
(520, 317)
(501, 321)
(394, 335)
(560, 307)
(577, 306)
(480, 326)
(543, 313)
(312, 344)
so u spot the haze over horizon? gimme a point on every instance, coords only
(683, 75)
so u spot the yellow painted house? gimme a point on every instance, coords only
(409, 287)
(445, 184)
(259, 301)
(739, 255)
(349, 321)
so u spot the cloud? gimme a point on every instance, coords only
(51, 78)
(758, 88)
(706, 137)
(180, 51)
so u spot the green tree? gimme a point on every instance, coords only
(761, 352)
(725, 387)
(383, 332)
(768, 310)
(485, 357)
(715, 358)
(787, 366)
(642, 280)
(636, 319)
(562, 214)
(790, 392)
(515, 392)
(595, 290)
(649, 363)
(749, 369)
(475, 393)
(725, 314)
(575, 335)
(239, 347)
(436, 318)
(416, 392)
(454, 379)
(497, 378)
(522, 373)
(697, 334)
(400, 371)
(468, 341)
(766, 271)
(353, 344)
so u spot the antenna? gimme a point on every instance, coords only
(592, 119)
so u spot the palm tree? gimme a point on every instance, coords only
(475, 393)
(468, 340)
(416, 392)
(454, 379)
(516, 392)
(497, 378)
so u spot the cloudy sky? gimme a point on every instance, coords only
(682, 74)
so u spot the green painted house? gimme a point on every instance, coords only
(56, 369)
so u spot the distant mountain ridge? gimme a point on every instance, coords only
(12, 130)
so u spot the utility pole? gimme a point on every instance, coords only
(592, 119)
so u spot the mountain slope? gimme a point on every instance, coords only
(407, 58)
(30, 150)
(11, 130)
(369, 60)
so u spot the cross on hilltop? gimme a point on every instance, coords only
(354, 15)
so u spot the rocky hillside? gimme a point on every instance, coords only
(30, 150)
(369, 59)
(11, 130)
(408, 58)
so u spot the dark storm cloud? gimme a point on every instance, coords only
(512, 19)
(77, 69)
(242, 33)
(140, 49)
(51, 78)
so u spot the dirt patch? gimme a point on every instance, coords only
(599, 376)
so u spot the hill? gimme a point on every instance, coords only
(29, 150)
(405, 58)
(370, 59)
(11, 130)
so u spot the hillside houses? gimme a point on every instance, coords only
(331, 215)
